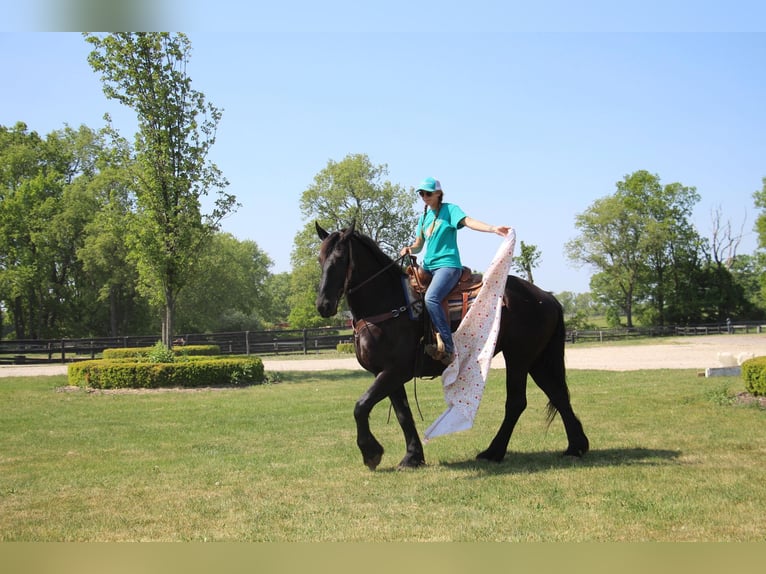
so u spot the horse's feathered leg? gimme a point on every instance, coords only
(415, 456)
(372, 450)
(515, 404)
(550, 375)
(385, 383)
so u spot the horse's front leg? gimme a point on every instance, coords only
(415, 456)
(372, 450)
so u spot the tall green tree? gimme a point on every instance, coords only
(351, 190)
(760, 223)
(634, 239)
(147, 72)
(608, 243)
(106, 256)
(760, 227)
(45, 206)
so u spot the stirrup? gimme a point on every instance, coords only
(436, 351)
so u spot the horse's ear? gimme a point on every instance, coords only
(350, 230)
(321, 232)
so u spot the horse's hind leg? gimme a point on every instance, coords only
(550, 375)
(515, 403)
(415, 456)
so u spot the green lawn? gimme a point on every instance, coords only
(672, 460)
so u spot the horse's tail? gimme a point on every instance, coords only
(557, 342)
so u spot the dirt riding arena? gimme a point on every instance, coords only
(695, 352)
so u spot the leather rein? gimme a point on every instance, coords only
(393, 313)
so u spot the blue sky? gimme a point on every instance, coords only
(524, 125)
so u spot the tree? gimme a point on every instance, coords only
(672, 244)
(760, 228)
(45, 205)
(528, 259)
(610, 245)
(636, 239)
(760, 223)
(147, 72)
(276, 309)
(236, 271)
(352, 190)
(105, 254)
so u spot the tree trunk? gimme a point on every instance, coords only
(113, 311)
(167, 332)
(629, 309)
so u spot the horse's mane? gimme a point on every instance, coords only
(379, 255)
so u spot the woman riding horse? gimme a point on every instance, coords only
(388, 344)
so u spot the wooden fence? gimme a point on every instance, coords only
(600, 335)
(236, 343)
(299, 341)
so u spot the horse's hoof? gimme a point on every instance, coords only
(407, 464)
(487, 455)
(578, 449)
(574, 453)
(373, 462)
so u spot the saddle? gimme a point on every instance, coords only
(459, 300)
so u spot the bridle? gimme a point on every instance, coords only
(373, 276)
(393, 313)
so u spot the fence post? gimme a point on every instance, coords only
(63, 352)
(305, 341)
(247, 343)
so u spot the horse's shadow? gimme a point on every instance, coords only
(528, 462)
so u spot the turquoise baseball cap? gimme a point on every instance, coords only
(430, 184)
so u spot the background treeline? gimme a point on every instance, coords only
(69, 265)
(100, 236)
(68, 260)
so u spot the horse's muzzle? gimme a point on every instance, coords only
(326, 308)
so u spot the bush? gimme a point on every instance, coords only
(161, 354)
(133, 352)
(345, 348)
(121, 374)
(754, 375)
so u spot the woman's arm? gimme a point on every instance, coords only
(414, 248)
(477, 225)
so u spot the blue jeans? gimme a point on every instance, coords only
(443, 281)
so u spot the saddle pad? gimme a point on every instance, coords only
(459, 303)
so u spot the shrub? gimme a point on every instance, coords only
(161, 354)
(132, 352)
(754, 375)
(121, 374)
(345, 347)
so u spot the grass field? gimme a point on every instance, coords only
(673, 459)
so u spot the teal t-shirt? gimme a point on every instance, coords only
(440, 248)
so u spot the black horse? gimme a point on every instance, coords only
(388, 344)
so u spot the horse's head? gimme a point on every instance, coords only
(335, 260)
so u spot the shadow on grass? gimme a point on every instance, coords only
(313, 376)
(526, 462)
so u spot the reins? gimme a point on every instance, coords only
(380, 272)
